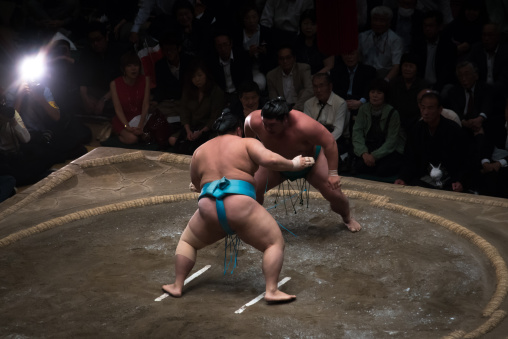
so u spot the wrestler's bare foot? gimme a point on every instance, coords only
(172, 290)
(353, 225)
(278, 297)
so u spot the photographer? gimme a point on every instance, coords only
(14, 162)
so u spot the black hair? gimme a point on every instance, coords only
(275, 109)
(182, 4)
(380, 85)
(326, 76)
(411, 58)
(129, 58)
(96, 26)
(308, 14)
(171, 39)
(226, 123)
(248, 86)
(435, 95)
(434, 15)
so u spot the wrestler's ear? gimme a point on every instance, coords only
(239, 131)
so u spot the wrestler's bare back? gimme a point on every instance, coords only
(224, 156)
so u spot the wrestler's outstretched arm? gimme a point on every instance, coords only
(273, 161)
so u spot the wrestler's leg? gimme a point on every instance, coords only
(339, 203)
(265, 180)
(196, 235)
(261, 231)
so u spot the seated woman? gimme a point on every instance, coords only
(377, 142)
(404, 90)
(202, 103)
(306, 49)
(131, 98)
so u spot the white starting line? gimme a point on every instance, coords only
(259, 297)
(188, 280)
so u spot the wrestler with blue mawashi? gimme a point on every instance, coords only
(224, 169)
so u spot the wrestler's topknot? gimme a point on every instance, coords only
(276, 108)
(226, 123)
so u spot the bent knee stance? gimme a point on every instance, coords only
(189, 244)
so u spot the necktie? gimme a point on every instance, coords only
(351, 78)
(320, 110)
(470, 104)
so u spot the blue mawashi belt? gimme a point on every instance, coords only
(218, 189)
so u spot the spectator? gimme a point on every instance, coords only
(291, 80)
(249, 100)
(407, 23)
(351, 80)
(330, 110)
(202, 103)
(256, 40)
(283, 18)
(229, 66)
(490, 57)
(306, 48)
(7, 187)
(18, 164)
(434, 142)
(162, 10)
(377, 142)
(98, 67)
(404, 91)
(170, 70)
(190, 30)
(466, 29)
(131, 99)
(381, 47)
(479, 108)
(445, 112)
(438, 55)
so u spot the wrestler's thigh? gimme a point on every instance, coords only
(205, 228)
(259, 229)
(318, 178)
(266, 180)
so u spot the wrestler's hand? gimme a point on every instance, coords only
(193, 188)
(334, 181)
(300, 162)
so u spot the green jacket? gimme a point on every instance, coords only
(394, 140)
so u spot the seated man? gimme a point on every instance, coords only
(230, 67)
(479, 107)
(330, 110)
(290, 80)
(381, 47)
(235, 160)
(170, 70)
(435, 142)
(351, 80)
(98, 66)
(288, 133)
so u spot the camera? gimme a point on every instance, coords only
(7, 112)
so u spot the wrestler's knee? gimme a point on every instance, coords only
(189, 237)
(186, 250)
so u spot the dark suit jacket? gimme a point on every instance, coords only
(500, 72)
(417, 25)
(241, 69)
(487, 101)
(340, 78)
(445, 61)
(168, 86)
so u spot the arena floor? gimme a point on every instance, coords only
(84, 253)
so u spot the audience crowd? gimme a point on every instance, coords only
(422, 101)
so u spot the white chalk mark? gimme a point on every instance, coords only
(188, 280)
(259, 297)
